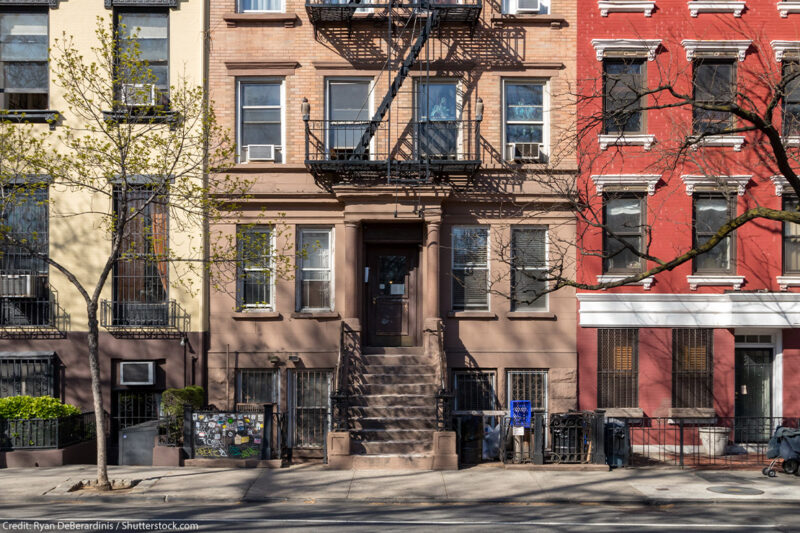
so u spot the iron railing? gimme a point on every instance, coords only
(38, 433)
(325, 12)
(340, 393)
(29, 307)
(444, 397)
(573, 437)
(165, 318)
(426, 149)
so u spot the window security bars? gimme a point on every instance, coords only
(316, 270)
(617, 368)
(470, 269)
(474, 390)
(791, 239)
(791, 99)
(311, 407)
(692, 368)
(528, 385)
(24, 77)
(257, 386)
(710, 213)
(28, 376)
(135, 407)
(623, 83)
(529, 256)
(714, 84)
(625, 223)
(254, 278)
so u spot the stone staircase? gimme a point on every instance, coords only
(392, 411)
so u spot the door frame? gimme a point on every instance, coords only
(777, 362)
(415, 322)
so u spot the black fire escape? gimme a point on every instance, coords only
(405, 145)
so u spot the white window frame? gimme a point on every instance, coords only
(546, 297)
(459, 105)
(488, 265)
(151, 372)
(370, 106)
(511, 7)
(332, 261)
(545, 148)
(270, 306)
(281, 9)
(240, 82)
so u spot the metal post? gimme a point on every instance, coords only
(266, 437)
(188, 440)
(680, 430)
(538, 439)
(599, 437)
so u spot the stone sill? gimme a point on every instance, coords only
(256, 315)
(708, 280)
(626, 139)
(716, 6)
(624, 412)
(288, 19)
(692, 412)
(530, 315)
(531, 18)
(267, 167)
(626, 6)
(786, 7)
(486, 315)
(784, 282)
(310, 315)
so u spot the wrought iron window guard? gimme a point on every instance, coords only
(29, 3)
(32, 116)
(141, 3)
(435, 149)
(132, 319)
(38, 316)
(322, 12)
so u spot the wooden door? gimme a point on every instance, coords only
(392, 295)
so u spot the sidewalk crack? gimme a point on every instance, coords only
(444, 486)
(350, 485)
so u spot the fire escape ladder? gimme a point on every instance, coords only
(397, 82)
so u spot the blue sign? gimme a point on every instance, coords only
(521, 413)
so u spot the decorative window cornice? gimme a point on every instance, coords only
(788, 6)
(784, 49)
(646, 283)
(784, 282)
(720, 6)
(781, 183)
(642, 182)
(626, 6)
(695, 48)
(698, 280)
(733, 141)
(141, 3)
(29, 3)
(740, 182)
(626, 139)
(610, 47)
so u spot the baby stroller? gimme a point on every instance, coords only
(784, 444)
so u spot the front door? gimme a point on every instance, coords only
(753, 404)
(391, 295)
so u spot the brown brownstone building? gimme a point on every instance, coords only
(390, 148)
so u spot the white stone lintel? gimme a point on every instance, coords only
(626, 139)
(609, 47)
(626, 6)
(695, 48)
(692, 182)
(700, 280)
(646, 283)
(784, 282)
(643, 182)
(782, 48)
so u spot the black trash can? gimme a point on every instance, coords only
(136, 443)
(618, 442)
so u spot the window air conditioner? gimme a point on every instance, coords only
(17, 286)
(258, 152)
(523, 151)
(527, 6)
(137, 373)
(138, 94)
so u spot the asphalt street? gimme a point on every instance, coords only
(86, 515)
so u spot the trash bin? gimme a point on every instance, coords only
(714, 439)
(136, 443)
(617, 442)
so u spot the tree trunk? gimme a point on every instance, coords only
(97, 396)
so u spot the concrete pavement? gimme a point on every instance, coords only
(314, 483)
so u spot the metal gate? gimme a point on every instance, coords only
(310, 407)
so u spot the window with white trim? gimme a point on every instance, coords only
(521, 7)
(470, 268)
(791, 99)
(260, 6)
(260, 121)
(529, 262)
(624, 81)
(524, 120)
(315, 280)
(255, 284)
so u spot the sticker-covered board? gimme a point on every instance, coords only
(228, 435)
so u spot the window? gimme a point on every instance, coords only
(791, 240)
(438, 129)
(474, 390)
(791, 99)
(257, 386)
(530, 385)
(692, 368)
(529, 261)
(624, 228)
(623, 84)
(134, 407)
(541, 7)
(141, 273)
(260, 121)
(524, 119)
(311, 407)
(26, 375)
(316, 269)
(255, 282)
(714, 84)
(470, 269)
(24, 76)
(710, 213)
(260, 6)
(348, 115)
(617, 368)
(146, 33)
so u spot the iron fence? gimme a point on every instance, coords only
(38, 433)
(574, 437)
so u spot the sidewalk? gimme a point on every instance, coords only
(314, 483)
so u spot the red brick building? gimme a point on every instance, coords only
(716, 336)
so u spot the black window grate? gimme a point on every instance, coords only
(311, 407)
(474, 390)
(692, 368)
(257, 386)
(23, 376)
(135, 407)
(528, 385)
(617, 368)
